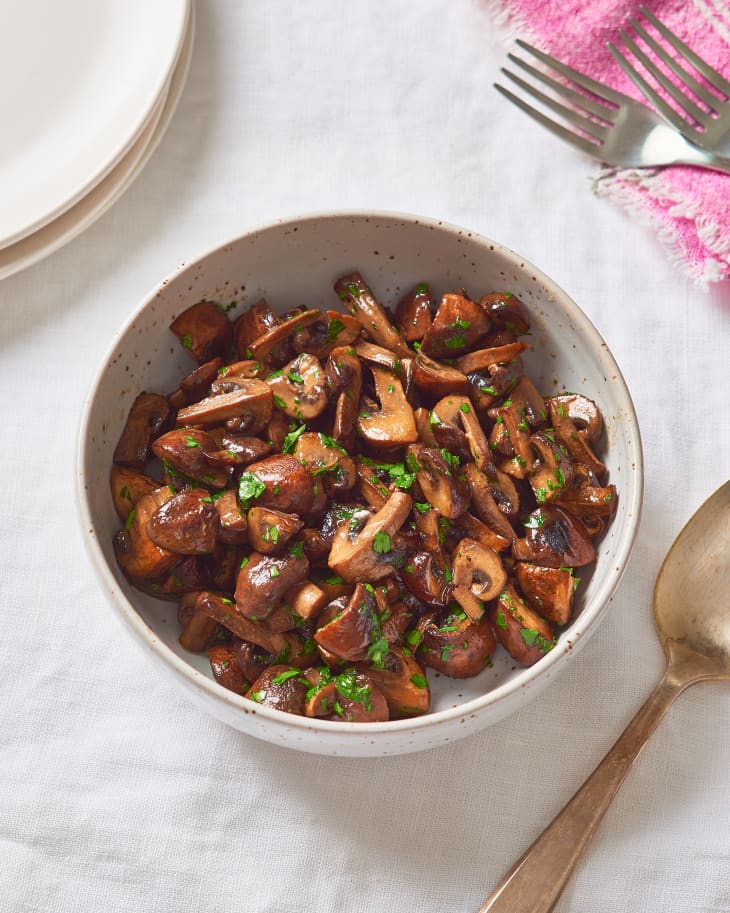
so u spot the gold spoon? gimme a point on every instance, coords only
(692, 616)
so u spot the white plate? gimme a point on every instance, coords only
(85, 80)
(79, 217)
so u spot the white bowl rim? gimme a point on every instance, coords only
(589, 616)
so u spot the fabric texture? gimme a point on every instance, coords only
(689, 208)
(116, 793)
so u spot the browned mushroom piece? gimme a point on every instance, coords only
(458, 411)
(226, 669)
(436, 379)
(378, 355)
(251, 658)
(506, 310)
(350, 697)
(355, 632)
(459, 647)
(204, 330)
(272, 341)
(299, 388)
(505, 494)
(263, 580)
(554, 538)
(186, 524)
(232, 529)
(402, 682)
(485, 359)
(236, 374)
(127, 487)
(147, 416)
(250, 403)
(578, 424)
(396, 620)
(524, 634)
(517, 431)
(471, 527)
(256, 321)
(199, 630)
(393, 423)
(458, 325)
(324, 457)
(362, 548)
(553, 471)
(414, 314)
(198, 383)
(136, 553)
(442, 483)
(486, 388)
(279, 481)
(485, 506)
(331, 330)
(423, 577)
(549, 589)
(239, 450)
(344, 377)
(360, 302)
(590, 502)
(478, 576)
(371, 488)
(281, 687)
(427, 526)
(306, 599)
(183, 451)
(270, 530)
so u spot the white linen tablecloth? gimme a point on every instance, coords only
(116, 794)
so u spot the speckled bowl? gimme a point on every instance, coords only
(294, 262)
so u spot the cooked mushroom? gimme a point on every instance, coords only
(255, 321)
(148, 414)
(360, 302)
(127, 487)
(578, 424)
(459, 323)
(319, 338)
(306, 599)
(485, 359)
(350, 697)
(186, 524)
(459, 410)
(250, 403)
(270, 530)
(549, 589)
(443, 487)
(553, 471)
(506, 310)
(554, 538)
(479, 571)
(344, 376)
(279, 481)
(199, 629)
(414, 314)
(460, 647)
(364, 552)
(402, 682)
(136, 553)
(266, 345)
(586, 501)
(473, 528)
(197, 384)
(233, 526)
(485, 505)
(425, 579)
(231, 377)
(263, 580)
(204, 330)
(226, 669)
(324, 457)
(299, 388)
(516, 429)
(355, 633)
(184, 451)
(524, 634)
(437, 379)
(488, 388)
(393, 424)
(281, 687)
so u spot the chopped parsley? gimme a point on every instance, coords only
(249, 488)
(420, 681)
(284, 676)
(381, 542)
(291, 439)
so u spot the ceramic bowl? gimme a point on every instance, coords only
(294, 262)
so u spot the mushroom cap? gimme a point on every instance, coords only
(288, 486)
(299, 388)
(136, 553)
(554, 538)
(281, 687)
(353, 630)
(393, 424)
(459, 323)
(460, 647)
(204, 330)
(148, 414)
(250, 402)
(524, 634)
(263, 580)
(186, 524)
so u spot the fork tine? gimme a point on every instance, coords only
(582, 101)
(712, 76)
(662, 107)
(686, 104)
(597, 88)
(573, 117)
(572, 138)
(679, 71)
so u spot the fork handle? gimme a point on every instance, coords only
(536, 881)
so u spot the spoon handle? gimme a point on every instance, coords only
(536, 881)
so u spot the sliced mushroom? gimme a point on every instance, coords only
(459, 410)
(480, 571)
(239, 450)
(306, 599)
(485, 505)
(460, 647)
(250, 403)
(136, 553)
(578, 424)
(549, 589)
(224, 564)
(393, 424)
(436, 379)
(263, 580)
(414, 314)
(364, 552)
(487, 388)
(589, 501)
(270, 530)
(255, 322)
(287, 485)
(128, 486)
(427, 526)
(281, 687)
(484, 359)
(403, 683)
(264, 346)
(235, 375)
(553, 471)
(473, 528)
(344, 376)
(424, 578)
(299, 388)
(186, 524)
(198, 631)
(148, 414)
(224, 611)
(319, 338)
(443, 488)
(324, 457)
(350, 697)
(355, 632)
(506, 310)
(204, 330)
(360, 302)
(554, 538)
(233, 526)
(198, 383)
(459, 324)
(524, 634)
(184, 451)
(226, 669)
(517, 431)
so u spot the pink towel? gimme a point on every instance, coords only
(688, 207)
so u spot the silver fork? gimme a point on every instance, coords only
(608, 125)
(708, 126)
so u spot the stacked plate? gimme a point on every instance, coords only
(94, 86)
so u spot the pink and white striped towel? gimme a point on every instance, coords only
(688, 207)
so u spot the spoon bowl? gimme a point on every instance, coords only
(692, 616)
